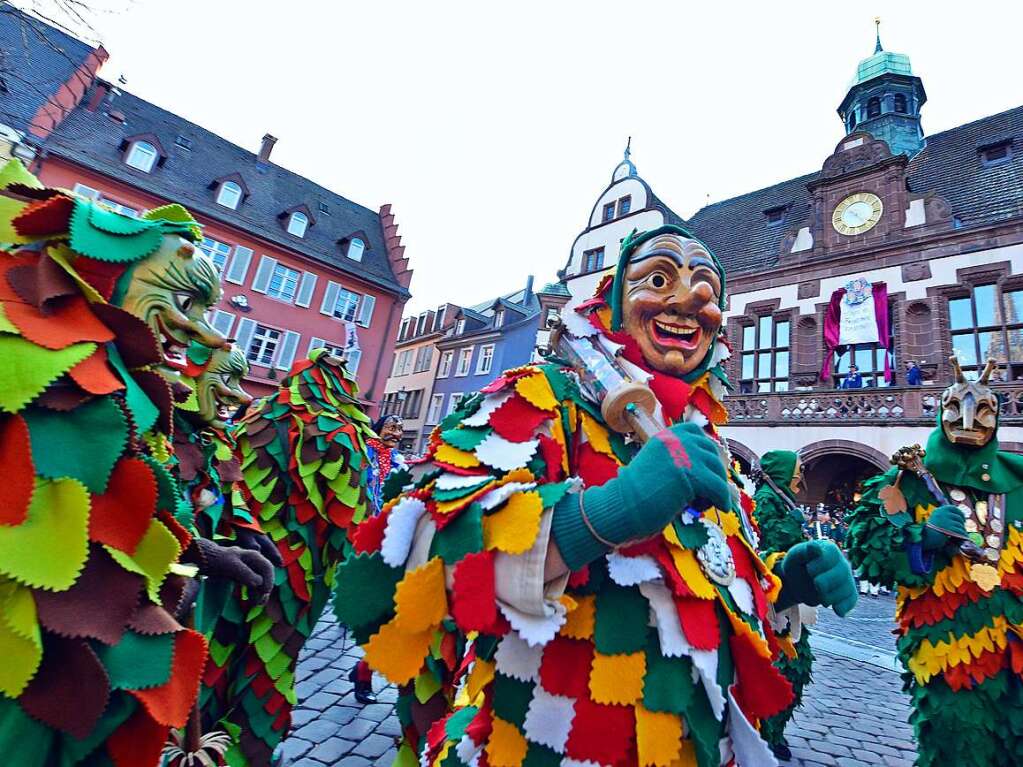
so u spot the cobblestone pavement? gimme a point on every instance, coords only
(854, 713)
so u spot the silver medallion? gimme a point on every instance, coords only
(992, 554)
(971, 526)
(957, 495)
(966, 510)
(981, 508)
(715, 557)
(996, 525)
(994, 541)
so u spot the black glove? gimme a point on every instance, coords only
(244, 566)
(253, 541)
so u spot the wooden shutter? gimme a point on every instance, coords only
(329, 298)
(286, 355)
(243, 336)
(314, 344)
(366, 311)
(352, 361)
(305, 289)
(263, 274)
(222, 322)
(239, 268)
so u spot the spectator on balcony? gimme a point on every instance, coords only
(914, 375)
(854, 380)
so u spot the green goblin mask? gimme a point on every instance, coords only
(218, 389)
(969, 409)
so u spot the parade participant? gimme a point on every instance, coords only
(95, 307)
(853, 380)
(944, 526)
(781, 527)
(385, 461)
(302, 454)
(617, 610)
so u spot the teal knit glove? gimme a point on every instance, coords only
(946, 518)
(816, 573)
(678, 466)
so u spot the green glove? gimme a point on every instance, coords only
(675, 468)
(816, 573)
(946, 518)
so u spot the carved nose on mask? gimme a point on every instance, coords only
(969, 411)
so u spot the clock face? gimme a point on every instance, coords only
(857, 213)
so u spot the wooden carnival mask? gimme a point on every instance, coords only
(969, 409)
(218, 389)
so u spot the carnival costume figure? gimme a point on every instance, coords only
(302, 453)
(548, 591)
(781, 528)
(97, 308)
(944, 525)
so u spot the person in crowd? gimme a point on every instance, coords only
(853, 380)
(914, 375)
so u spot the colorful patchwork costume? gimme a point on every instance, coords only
(302, 455)
(96, 669)
(658, 651)
(948, 531)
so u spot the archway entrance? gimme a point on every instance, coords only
(836, 480)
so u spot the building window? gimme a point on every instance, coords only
(988, 323)
(324, 208)
(434, 411)
(413, 404)
(464, 360)
(216, 250)
(609, 211)
(454, 402)
(873, 108)
(900, 104)
(402, 363)
(775, 216)
(423, 359)
(444, 368)
(355, 249)
(142, 155)
(486, 360)
(499, 318)
(283, 283)
(263, 346)
(298, 223)
(460, 326)
(851, 120)
(765, 355)
(995, 154)
(869, 362)
(94, 194)
(593, 259)
(183, 142)
(625, 205)
(346, 305)
(229, 195)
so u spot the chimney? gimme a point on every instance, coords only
(266, 147)
(99, 95)
(529, 289)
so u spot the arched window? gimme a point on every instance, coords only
(142, 155)
(874, 108)
(900, 104)
(851, 119)
(229, 195)
(356, 247)
(298, 223)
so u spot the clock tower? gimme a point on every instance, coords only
(884, 99)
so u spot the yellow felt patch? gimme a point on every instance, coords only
(597, 435)
(579, 622)
(481, 675)
(617, 678)
(536, 390)
(686, 756)
(397, 654)
(506, 746)
(931, 659)
(447, 507)
(455, 457)
(658, 737)
(739, 626)
(514, 528)
(420, 600)
(688, 567)
(152, 558)
(21, 643)
(728, 521)
(558, 435)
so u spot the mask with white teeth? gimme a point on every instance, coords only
(218, 389)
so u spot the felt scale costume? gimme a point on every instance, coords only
(658, 653)
(96, 668)
(945, 525)
(302, 454)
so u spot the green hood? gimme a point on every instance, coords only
(780, 466)
(967, 466)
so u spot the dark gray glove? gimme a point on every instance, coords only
(244, 566)
(250, 539)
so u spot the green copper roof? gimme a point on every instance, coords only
(882, 63)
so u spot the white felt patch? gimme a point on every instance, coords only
(467, 751)
(448, 481)
(632, 571)
(577, 325)
(499, 495)
(669, 631)
(692, 415)
(401, 527)
(490, 403)
(549, 719)
(536, 630)
(498, 452)
(748, 747)
(516, 658)
(721, 353)
(705, 663)
(743, 596)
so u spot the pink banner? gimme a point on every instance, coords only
(833, 327)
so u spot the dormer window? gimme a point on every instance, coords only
(775, 216)
(873, 108)
(229, 195)
(356, 247)
(900, 104)
(298, 222)
(460, 326)
(624, 205)
(499, 318)
(995, 154)
(142, 156)
(609, 211)
(851, 120)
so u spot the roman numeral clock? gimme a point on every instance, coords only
(857, 213)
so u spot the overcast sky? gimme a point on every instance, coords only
(492, 129)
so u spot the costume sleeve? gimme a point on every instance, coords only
(780, 529)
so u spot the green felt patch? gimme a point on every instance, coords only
(107, 236)
(454, 728)
(465, 438)
(365, 589)
(692, 536)
(463, 535)
(668, 684)
(620, 624)
(511, 699)
(28, 369)
(550, 494)
(83, 444)
(541, 756)
(137, 662)
(142, 408)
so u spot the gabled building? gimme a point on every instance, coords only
(302, 266)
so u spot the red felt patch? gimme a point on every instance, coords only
(966, 675)
(600, 733)
(473, 597)
(138, 741)
(339, 514)
(552, 453)
(594, 468)
(135, 341)
(171, 703)
(71, 688)
(672, 393)
(579, 578)
(17, 469)
(41, 283)
(368, 535)
(699, 621)
(179, 531)
(120, 517)
(70, 321)
(94, 375)
(565, 667)
(50, 216)
(102, 275)
(761, 691)
(494, 386)
(517, 420)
